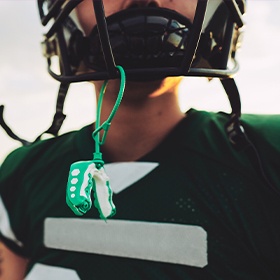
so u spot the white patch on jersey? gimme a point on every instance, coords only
(124, 174)
(47, 272)
(163, 242)
(5, 226)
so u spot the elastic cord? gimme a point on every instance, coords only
(97, 155)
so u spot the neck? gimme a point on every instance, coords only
(141, 122)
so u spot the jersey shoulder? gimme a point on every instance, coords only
(41, 151)
(264, 129)
(22, 175)
(210, 140)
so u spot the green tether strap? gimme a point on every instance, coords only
(97, 155)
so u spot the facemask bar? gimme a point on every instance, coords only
(104, 37)
(111, 73)
(160, 72)
(232, 33)
(236, 12)
(62, 11)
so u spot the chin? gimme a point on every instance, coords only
(154, 88)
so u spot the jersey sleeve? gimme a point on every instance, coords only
(264, 133)
(12, 202)
(26, 193)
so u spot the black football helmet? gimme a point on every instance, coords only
(148, 42)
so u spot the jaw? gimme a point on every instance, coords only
(136, 91)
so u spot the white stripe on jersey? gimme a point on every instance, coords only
(124, 174)
(5, 226)
(47, 272)
(163, 242)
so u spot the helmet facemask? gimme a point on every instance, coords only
(152, 42)
(149, 43)
(142, 38)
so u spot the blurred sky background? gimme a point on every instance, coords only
(29, 94)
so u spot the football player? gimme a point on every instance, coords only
(190, 195)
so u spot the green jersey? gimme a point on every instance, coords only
(193, 208)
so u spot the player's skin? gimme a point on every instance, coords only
(12, 266)
(148, 112)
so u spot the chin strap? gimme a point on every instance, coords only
(57, 122)
(9, 131)
(58, 117)
(234, 129)
(236, 133)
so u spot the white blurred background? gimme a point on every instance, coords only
(29, 93)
